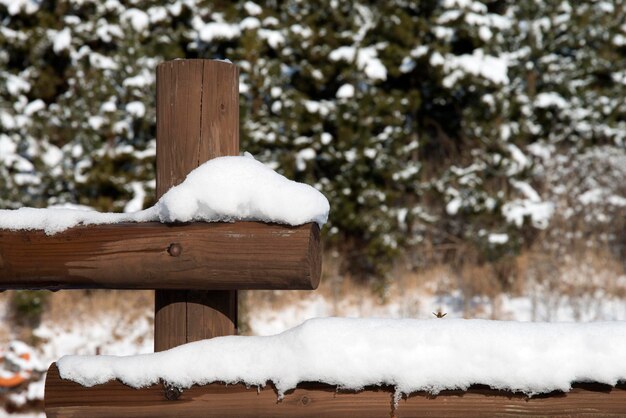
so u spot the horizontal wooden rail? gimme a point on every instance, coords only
(69, 399)
(202, 256)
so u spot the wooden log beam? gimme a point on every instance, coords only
(69, 399)
(240, 255)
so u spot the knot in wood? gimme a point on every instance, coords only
(305, 400)
(175, 249)
(172, 393)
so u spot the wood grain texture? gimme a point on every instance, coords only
(220, 256)
(171, 309)
(184, 309)
(68, 399)
(197, 119)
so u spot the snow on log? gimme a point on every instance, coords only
(361, 367)
(408, 354)
(223, 189)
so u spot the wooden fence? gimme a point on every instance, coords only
(196, 270)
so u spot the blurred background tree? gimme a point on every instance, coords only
(480, 126)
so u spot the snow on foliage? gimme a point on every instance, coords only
(411, 355)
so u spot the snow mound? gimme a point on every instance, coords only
(241, 188)
(222, 189)
(411, 355)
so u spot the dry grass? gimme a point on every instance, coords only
(583, 278)
(66, 307)
(88, 304)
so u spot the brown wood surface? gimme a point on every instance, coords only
(69, 399)
(242, 255)
(197, 119)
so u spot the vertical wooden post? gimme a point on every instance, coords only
(197, 119)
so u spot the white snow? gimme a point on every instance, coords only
(324, 107)
(346, 91)
(550, 99)
(138, 19)
(223, 189)
(273, 37)
(16, 85)
(485, 33)
(139, 195)
(250, 23)
(527, 190)
(303, 156)
(62, 41)
(9, 156)
(157, 14)
(96, 122)
(16, 6)
(538, 212)
(453, 206)
(498, 238)
(108, 106)
(106, 32)
(437, 59)
(218, 30)
(477, 63)
(34, 107)
(593, 196)
(408, 63)
(366, 59)
(136, 109)
(53, 156)
(54, 220)
(530, 206)
(140, 80)
(246, 190)
(102, 62)
(520, 161)
(617, 200)
(114, 333)
(252, 8)
(411, 355)
(326, 138)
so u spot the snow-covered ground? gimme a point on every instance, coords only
(422, 305)
(115, 329)
(121, 332)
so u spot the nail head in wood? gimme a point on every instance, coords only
(172, 393)
(175, 249)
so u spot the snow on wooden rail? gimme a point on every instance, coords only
(200, 256)
(401, 363)
(410, 354)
